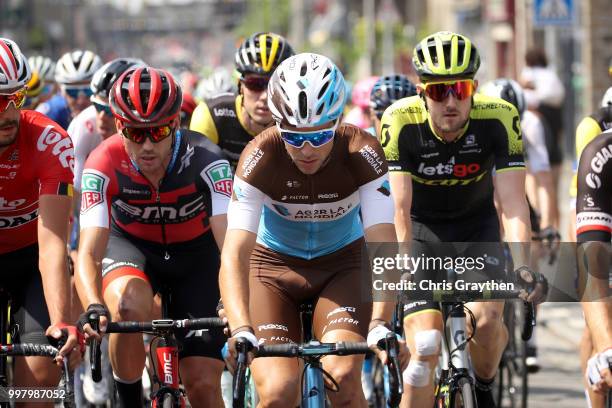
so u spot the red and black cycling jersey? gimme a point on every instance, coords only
(197, 185)
(39, 162)
(594, 200)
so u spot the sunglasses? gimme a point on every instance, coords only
(155, 134)
(255, 84)
(78, 91)
(316, 138)
(17, 99)
(439, 91)
(100, 107)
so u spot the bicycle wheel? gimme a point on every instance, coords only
(168, 401)
(465, 393)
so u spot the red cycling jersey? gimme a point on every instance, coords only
(39, 162)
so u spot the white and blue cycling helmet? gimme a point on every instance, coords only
(306, 90)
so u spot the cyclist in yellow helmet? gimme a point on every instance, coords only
(230, 120)
(443, 146)
(35, 86)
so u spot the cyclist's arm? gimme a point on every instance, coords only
(88, 278)
(202, 122)
(218, 224)
(401, 186)
(515, 213)
(544, 190)
(234, 276)
(54, 213)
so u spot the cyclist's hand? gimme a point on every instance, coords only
(599, 372)
(376, 335)
(534, 285)
(232, 354)
(96, 312)
(221, 314)
(70, 341)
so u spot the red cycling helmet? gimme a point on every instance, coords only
(145, 96)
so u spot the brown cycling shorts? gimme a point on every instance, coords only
(279, 284)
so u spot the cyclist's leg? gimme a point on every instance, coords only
(341, 315)
(195, 293)
(422, 330)
(129, 297)
(30, 315)
(275, 318)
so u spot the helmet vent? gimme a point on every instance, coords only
(323, 89)
(327, 72)
(303, 69)
(320, 110)
(302, 100)
(282, 76)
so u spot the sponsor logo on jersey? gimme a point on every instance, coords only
(593, 181)
(62, 146)
(322, 213)
(93, 187)
(293, 184)
(430, 155)
(588, 201)
(385, 188)
(18, 220)
(281, 210)
(220, 176)
(14, 156)
(272, 326)
(370, 155)
(186, 158)
(470, 140)
(601, 158)
(183, 210)
(251, 161)
(450, 168)
(11, 205)
(328, 195)
(294, 197)
(449, 182)
(341, 309)
(220, 112)
(593, 221)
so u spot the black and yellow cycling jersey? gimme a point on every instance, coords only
(220, 120)
(452, 180)
(588, 129)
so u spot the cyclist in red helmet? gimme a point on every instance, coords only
(157, 195)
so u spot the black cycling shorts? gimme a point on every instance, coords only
(479, 235)
(190, 275)
(21, 279)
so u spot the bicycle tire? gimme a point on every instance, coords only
(467, 394)
(168, 401)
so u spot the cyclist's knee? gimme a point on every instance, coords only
(489, 322)
(346, 371)
(133, 305)
(273, 394)
(426, 351)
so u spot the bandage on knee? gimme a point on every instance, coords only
(417, 373)
(427, 342)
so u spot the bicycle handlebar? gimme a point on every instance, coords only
(462, 295)
(28, 349)
(95, 356)
(313, 348)
(164, 325)
(396, 387)
(243, 346)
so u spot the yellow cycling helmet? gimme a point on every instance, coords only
(610, 68)
(445, 55)
(35, 85)
(261, 53)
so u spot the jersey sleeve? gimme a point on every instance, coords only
(202, 122)
(370, 170)
(594, 199)
(244, 210)
(56, 162)
(80, 132)
(393, 121)
(508, 139)
(218, 177)
(97, 190)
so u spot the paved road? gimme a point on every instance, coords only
(559, 383)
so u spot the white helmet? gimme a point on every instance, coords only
(606, 101)
(220, 81)
(44, 66)
(14, 69)
(508, 90)
(306, 90)
(77, 66)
